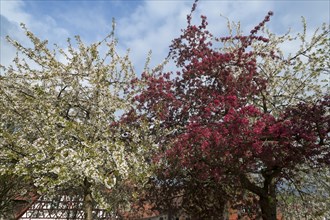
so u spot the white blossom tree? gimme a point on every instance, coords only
(59, 121)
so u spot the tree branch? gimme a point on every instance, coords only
(250, 186)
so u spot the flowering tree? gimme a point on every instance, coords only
(239, 116)
(294, 79)
(59, 125)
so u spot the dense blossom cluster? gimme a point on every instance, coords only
(59, 127)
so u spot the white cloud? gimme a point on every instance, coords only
(11, 11)
(12, 14)
(152, 27)
(11, 17)
(151, 24)
(86, 20)
(155, 23)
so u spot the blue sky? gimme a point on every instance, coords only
(144, 25)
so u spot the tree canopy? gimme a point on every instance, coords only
(238, 116)
(59, 119)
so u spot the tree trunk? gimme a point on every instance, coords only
(268, 207)
(88, 201)
(267, 194)
(268, 200)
